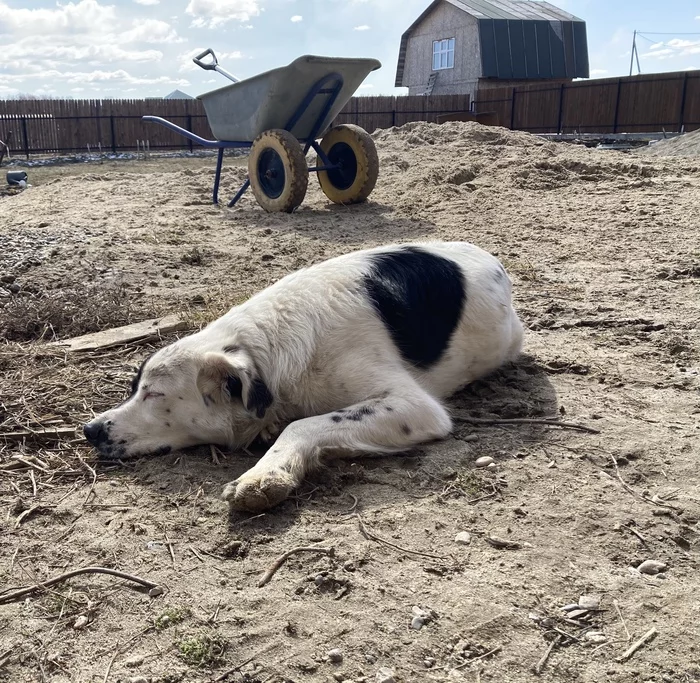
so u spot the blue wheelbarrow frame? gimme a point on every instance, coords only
(330, 86)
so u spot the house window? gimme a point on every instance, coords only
(443, 54)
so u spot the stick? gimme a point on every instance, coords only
(109, 666)
(525, 420)
(11, 597)
(39, 435)
(283, 558)
(635, 646)
(495, 650)
(368, 534)
(233, 670)
(543, 660)
(619, 614)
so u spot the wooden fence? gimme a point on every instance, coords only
(66, 126)
(635, 104)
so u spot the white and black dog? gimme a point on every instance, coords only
(353, 354)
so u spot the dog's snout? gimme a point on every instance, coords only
(96, 434)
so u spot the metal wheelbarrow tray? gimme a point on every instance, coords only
(280, 115)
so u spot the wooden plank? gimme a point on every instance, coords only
(128, 334)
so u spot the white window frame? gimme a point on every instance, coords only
(443, 54)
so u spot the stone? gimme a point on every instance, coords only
(335, 656)
(651, 567)
(386, 675)
(463, 538)
(484, 461)
(134, 661)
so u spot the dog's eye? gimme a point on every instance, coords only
(152, 394)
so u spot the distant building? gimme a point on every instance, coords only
(461, 46)
(178, 95)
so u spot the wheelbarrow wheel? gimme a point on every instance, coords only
(278, 173)
(352, 150)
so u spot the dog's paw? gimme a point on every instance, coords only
(258, 491)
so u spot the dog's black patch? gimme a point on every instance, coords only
(406, 430)
(337, 418)
(163, 450)
(419, 297)
(137, 379)
(389, 409)
(232, 348)
(259, 397)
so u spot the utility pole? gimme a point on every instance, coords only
(635, 53)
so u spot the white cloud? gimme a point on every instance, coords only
(296, 18)
(150, 31)
(214, 13)
(147, 2)
(676, 47)
(86, 16)
(364, 27)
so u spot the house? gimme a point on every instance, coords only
(461, 46)
(178, 95)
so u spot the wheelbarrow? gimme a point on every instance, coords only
(279, 115)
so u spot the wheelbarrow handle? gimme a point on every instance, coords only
(209, 66)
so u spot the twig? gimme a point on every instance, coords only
(233, 670)
(636, 645)
(637, 534)
(543, 660)
(214, 455)
(39, 435)
(196, 554)
(373, 537)
(35, 508)
(619, 614)
(111, 662)
(91, 490)
(495, 650)
(170, 547)
(525, 420)
(11, 597)
(283, 558)
(354, 505)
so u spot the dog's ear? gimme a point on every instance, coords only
(233, 377)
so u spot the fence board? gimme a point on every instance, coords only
(633, 104)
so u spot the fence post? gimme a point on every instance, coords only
(561, 108)
(512, 110)
(681, 116)
(393, 116)
(617, 104)
(111, 128)
(189, 128)
(25, 137)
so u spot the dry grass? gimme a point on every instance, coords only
(75, 309)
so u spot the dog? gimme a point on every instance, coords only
(352, 355)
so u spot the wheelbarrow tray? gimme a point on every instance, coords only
(241, 111)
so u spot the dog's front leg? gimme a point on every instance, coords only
(400, 420)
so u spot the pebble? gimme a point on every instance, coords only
(134, 661)
(349, 566)
(417, 623)
(80, 623)
(596, 637)
(491, 466)
(386, 675)
(138, 679)
(370, 658)
(463, 537)
(335, 655)
(155, 592)
(8, 279)
(470, 438)
(485, 461)
(429, 662)
(651, 567)
(589, 601)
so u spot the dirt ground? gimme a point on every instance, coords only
(604, 251)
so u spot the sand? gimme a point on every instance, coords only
(604, 252)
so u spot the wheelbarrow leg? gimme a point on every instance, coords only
(240, 193)
(217, 177)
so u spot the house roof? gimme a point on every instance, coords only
(178, 95)
(519, 39)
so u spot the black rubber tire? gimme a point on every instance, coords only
(278, 172)
(355, 180)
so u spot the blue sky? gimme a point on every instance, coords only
(137, 48)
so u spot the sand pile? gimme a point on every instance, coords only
(687, 145)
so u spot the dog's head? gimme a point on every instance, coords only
(183, 397)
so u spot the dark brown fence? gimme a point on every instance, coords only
(635, 104)
(65, 126)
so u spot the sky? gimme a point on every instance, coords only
(144, 48)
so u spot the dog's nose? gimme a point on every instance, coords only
(95, 433)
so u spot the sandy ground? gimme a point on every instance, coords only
(604, 251)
